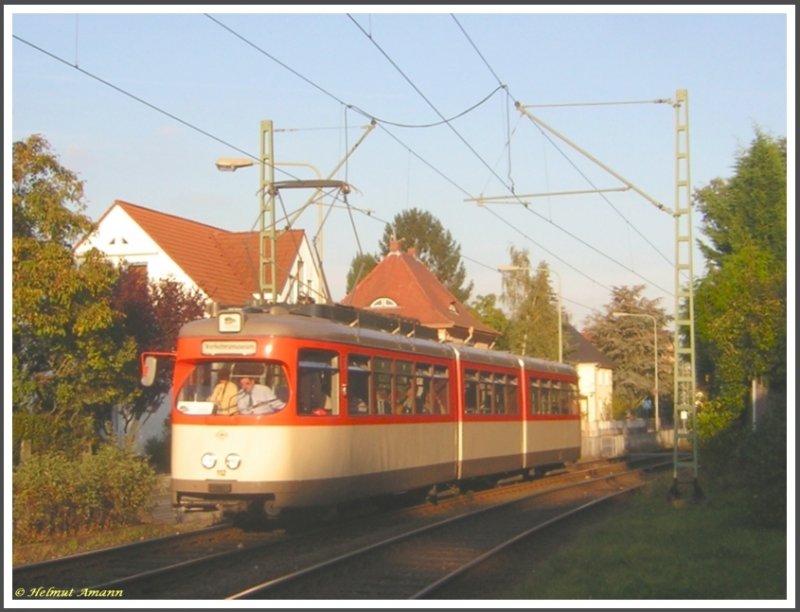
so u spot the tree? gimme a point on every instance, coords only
(531, 302)
(79, 324)
(361, 265)
(740, 325)
(434, 246)
(69, 343)
(629, 343)
(740, 305)
(153, 312)
(485, 308)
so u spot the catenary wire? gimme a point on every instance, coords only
(369, 37)
(222, 141)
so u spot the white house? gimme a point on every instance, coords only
(222, 264)
(595, 388)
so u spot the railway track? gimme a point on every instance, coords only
(421, 562)
(226, 561)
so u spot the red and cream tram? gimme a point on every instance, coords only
(353, 410)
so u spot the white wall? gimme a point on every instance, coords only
(120, 238)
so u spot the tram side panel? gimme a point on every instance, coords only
(400, 456)
(491, 426)
(553, 435)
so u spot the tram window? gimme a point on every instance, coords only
(423, 393)
(383, 380)
(358, 384)
(471, 391)
(535, 396)
(563, 398)
(406, 390)
(212, 387)
(545, 397)
(318, 383)
(573, 399)
(500, 383)
(486, 394)
(440, 394)
(557, 398)
(197, 385)
(566, 398)
(512, 392)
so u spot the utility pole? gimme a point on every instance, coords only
(268, 189)
(266, 232)
(685, 407)
(684, 420)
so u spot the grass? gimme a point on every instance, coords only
(71, 545)
(655, 549)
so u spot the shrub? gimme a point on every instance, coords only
(157, 449)
(54, 494)
(754, 464)
(47, 432)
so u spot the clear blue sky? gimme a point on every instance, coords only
(141, 104)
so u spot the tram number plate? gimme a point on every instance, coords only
(219, 487)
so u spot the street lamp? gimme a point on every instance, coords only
(232, 164)
(267, 191)
(655, 356)
(503, 269)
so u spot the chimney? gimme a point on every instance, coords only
(394, 246)
(412, 251)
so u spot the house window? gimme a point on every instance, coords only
(383, 302)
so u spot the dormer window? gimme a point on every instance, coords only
(383, 302)
(452, 308)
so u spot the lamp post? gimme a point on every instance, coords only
(503, 269)
(266, 208)
(655, 357)
(231, 164)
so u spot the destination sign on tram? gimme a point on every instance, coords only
(229, 347)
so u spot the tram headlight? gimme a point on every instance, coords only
(233, 461)
(209, 460)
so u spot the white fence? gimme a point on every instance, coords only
(615, 438)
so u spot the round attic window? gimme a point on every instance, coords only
(383, 302)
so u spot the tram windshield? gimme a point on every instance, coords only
(234, 387)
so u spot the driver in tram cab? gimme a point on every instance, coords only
(224, 394)
(255, 398)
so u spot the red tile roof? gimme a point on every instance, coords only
(418, 294)
(223, 264)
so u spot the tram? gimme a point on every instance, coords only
(353, 405)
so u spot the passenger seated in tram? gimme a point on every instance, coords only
(256, 398)
(357, 405)
(312, 396)
(382, 401)
(409, 400)
(224, 394)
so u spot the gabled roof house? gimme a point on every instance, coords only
(595, 381)
(404, 286)
(221, 263)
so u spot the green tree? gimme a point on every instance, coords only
(532, 306)
(70, 346)
(740, 326)
(629, 343)
(361, 265)
(434, 245)
(485, 308)
(740, 305)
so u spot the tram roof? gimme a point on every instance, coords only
(303, 324)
